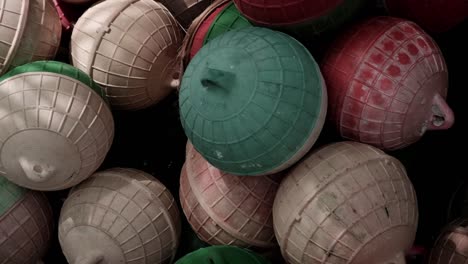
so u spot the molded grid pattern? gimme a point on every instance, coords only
(25, 230)
(10, 194)
(128, 47)
(224, 209)
(343, 201)
(131, 207)
(451, 246)
(185, 11)
(42, 34)
(385, 99)
(229, 19)
(58, 103)
(277, 108)
(11, 14)
(285, 12)
(203, 29)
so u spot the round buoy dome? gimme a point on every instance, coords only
(396, 89)
(119, 216)
(223, 18)
(451, 246)
(30, 31)
(26, 224)
(55, 128)
(224, 209)
(129, 47)
(346, 203)
(253, 101)
(222, 255)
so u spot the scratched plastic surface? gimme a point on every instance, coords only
(432, 15)
(26, 224)
(346, 203)
(451, 246)
(387, 81)
(120, 216)
(285, 12)
(55, 127)
(30, 30)
(224, 209)
(129, 48)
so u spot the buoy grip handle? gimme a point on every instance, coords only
(442, 117)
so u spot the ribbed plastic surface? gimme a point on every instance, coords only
(9, 194)
(185, 11)
(197, 35)
(55, 131)
(25, 227)
(222, 255)
(224, 209)
(30, 30)
(253, 101)
(451, 246)
(388, 99)
(346, 203)
(122, 216)
(129, 48)
(433, 15)
(285, 12)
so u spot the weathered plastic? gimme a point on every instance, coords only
(119, 216)
(223, 19)
(452, 245)
(224, 209)
(30, 30)
(396, 88)
(222, 255)
(347, 203)
(185, 11)
(66, 24)
(253, 101)
(432, 15)
(129, 47)
(26, 224)
(55, 128)
(285, 12)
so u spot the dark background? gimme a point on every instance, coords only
(153, 141)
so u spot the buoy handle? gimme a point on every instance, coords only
(442, 117)
(36, 171)
(215, 78)
(398, 259)
(91, 258)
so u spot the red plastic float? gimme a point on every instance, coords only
(387, 81)
(285, 12)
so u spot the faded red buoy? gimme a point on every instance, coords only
(225, 209)
(387, 81)
(433, 15)
(452, 245)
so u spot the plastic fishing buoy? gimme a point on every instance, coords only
(432, 15)
(30, 31)
(253, 101)
(26, 224)
(78, 1)
(224, 209)
(310, 17)
(395, 90)
(219, 18)
(119, 216)
(222, 255)
(129, 47)
(55, 126)
(451, 246)
(346, 203)
(185, 11)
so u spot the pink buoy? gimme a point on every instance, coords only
(452, 245)
(433, 15)
(387, 81)
(224, 209)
